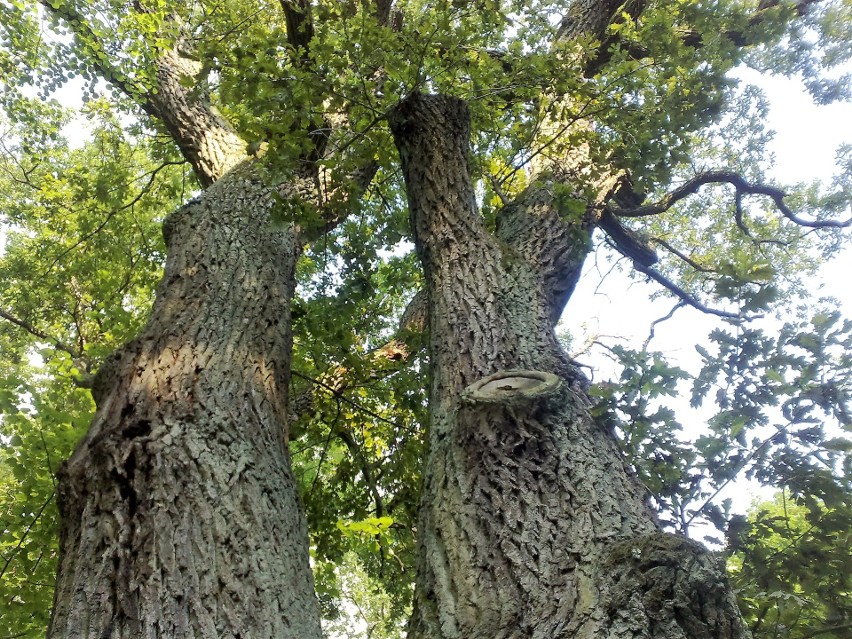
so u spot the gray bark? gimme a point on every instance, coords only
(530, 524)
(204, 137)
(180, 514)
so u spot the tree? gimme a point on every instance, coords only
(792, 569)
(180, 511)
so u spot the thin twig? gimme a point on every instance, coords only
(32, 330)
(666, 317)
(336, 392)
(738, 470)
(23, 538)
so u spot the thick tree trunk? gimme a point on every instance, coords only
(530, 525)
(180, 511)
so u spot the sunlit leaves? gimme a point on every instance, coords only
(792, 567)
(651, 95)
(780, 405)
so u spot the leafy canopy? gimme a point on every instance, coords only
(652, 96)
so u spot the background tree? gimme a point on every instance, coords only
(791, 565)
(579, 117)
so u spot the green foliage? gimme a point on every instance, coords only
(83, 252)
(41, 422)
(779, 407)
(358, 444)
(792, 566)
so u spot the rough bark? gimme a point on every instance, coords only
(180, 515)
(204, 137)
(530, 524)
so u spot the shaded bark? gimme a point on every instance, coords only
(530, 524)
(180, 514)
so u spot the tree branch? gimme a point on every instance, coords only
(825, 630)
(588, 19)
(300, 26)
(32, 330)
(741, 185)
(17, 549)
(653, 329)
(689, 37)
(205, 139)
(671, 249)
(337, 392)
(683, 295)
(626, 241)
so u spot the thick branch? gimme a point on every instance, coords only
(746, 37)
(626, 241)
(383, 11)
(741, 185)
(300, 26)
(203, 136)
(826, 629)
(590, 19)
(554, 243)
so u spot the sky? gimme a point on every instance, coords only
(807, 138)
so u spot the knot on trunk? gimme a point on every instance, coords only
(671, 585)
(513, 387)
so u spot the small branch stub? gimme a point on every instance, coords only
(512, 386)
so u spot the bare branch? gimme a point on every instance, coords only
(671, 249)
(627, 242)
(32, 330)
(683, 295)
(337, 393)
(741, 185)
(652, 331)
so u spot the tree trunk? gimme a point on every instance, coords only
(530, 524)
(179, 509)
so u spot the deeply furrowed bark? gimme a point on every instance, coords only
(179, 509)
(530, 525)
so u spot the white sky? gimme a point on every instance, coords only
(807, 136)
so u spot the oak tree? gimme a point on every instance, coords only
(503, 139)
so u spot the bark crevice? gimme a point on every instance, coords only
(180, 512)
(523, 502)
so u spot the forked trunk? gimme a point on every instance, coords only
(179, 508)
(531, 525)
